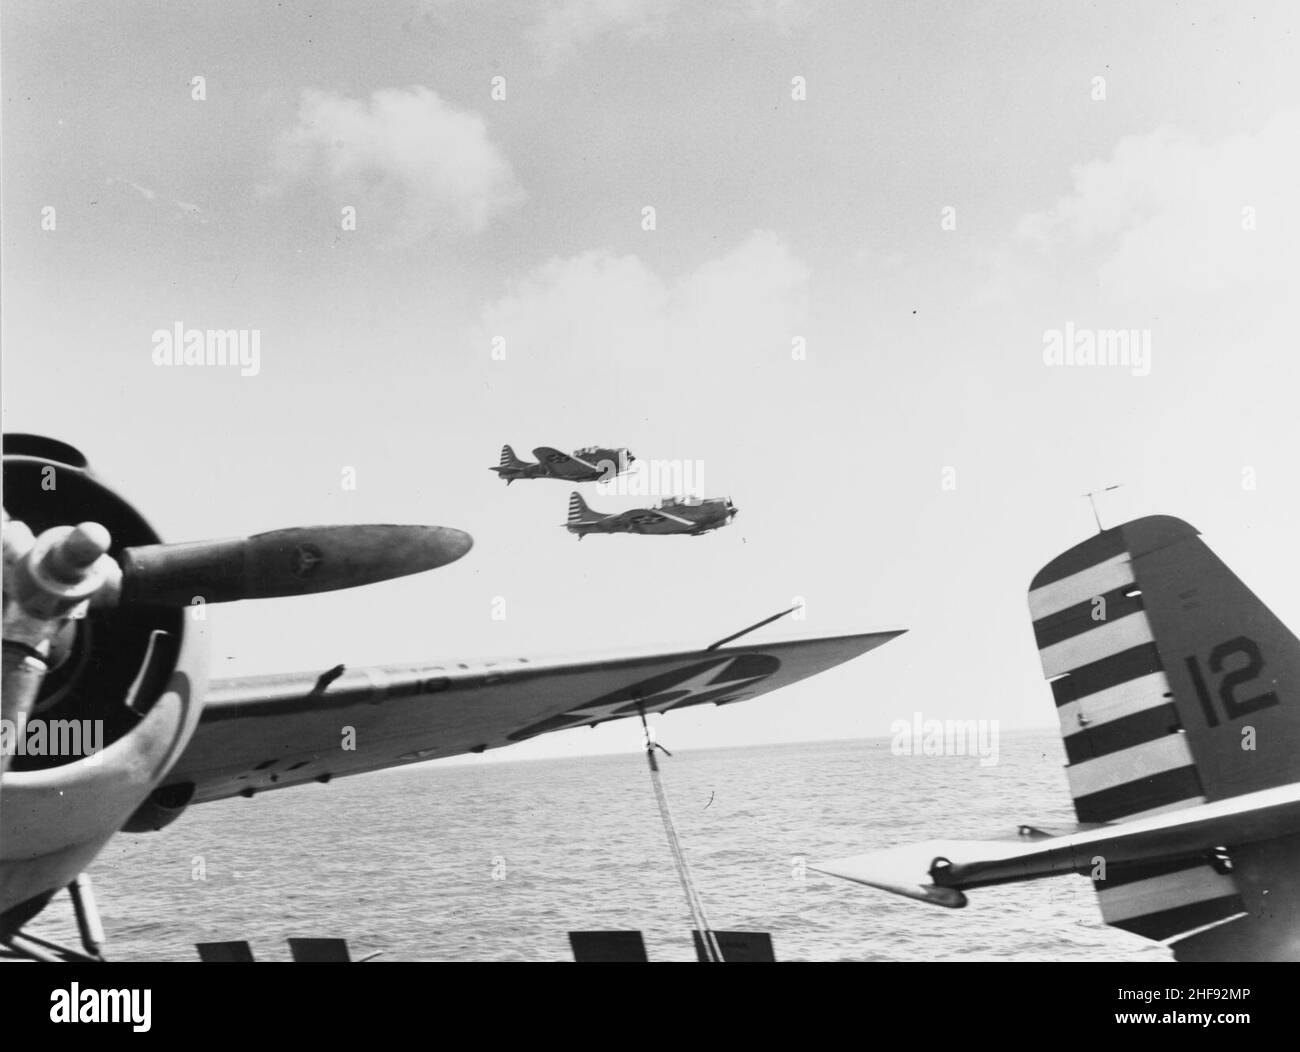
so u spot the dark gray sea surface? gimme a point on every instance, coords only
(499, 861)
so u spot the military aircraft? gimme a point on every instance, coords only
(100, 627)
(1177, 694)
(590, 464)
(676, 515)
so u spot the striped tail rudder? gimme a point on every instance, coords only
(578, 510)
(1127, 755)
(1176, 693)
(1130, 627)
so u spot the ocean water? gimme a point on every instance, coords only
(500, 861)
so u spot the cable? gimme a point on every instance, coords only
(694, 904)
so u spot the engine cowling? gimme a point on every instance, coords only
(121, 700)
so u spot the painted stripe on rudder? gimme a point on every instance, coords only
(1166, 791)
(1129, 765)
(1196, 883)
(1096, 549)
(1113, 671)
(1182, 919)
(1102, 739)
(1114, 572)
(1114, 703)
(1085, 616)
(1108, 638)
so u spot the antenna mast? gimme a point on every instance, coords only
(1092, 500)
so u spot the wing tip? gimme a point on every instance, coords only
(861, 869)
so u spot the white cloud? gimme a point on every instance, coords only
(143, 191)
(183, 209)
(599, 307)
(406, 156)
(1169, 214)
(565, 26)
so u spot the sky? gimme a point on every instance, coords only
(867, 221)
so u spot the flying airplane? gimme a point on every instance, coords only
(100, 628)
(590, 464)
(676, 515)
(1177, 693)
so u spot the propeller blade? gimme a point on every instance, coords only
(297, 561)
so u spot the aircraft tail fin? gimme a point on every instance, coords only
(508, 458)
(578, 510)
(1170, 679)
(1167, 672)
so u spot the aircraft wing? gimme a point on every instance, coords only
(270, 732)
(562, 463)
(637, 518)
(660, 513)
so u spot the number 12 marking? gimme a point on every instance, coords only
(1233, 707)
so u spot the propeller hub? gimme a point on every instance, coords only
(55, 573)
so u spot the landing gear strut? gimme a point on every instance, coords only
(33, 947)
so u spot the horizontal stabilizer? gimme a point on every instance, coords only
(923, 871)
(938, 871)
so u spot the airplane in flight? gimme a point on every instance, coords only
(686, 515)
(100, 628)
(590, 464)
(1177, 692)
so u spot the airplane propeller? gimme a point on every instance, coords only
(296, 561)
(68, 564)
(50, 579)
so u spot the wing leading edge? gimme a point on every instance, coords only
(562, 464)
(271, 732)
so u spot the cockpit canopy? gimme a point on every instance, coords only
(591, 451)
